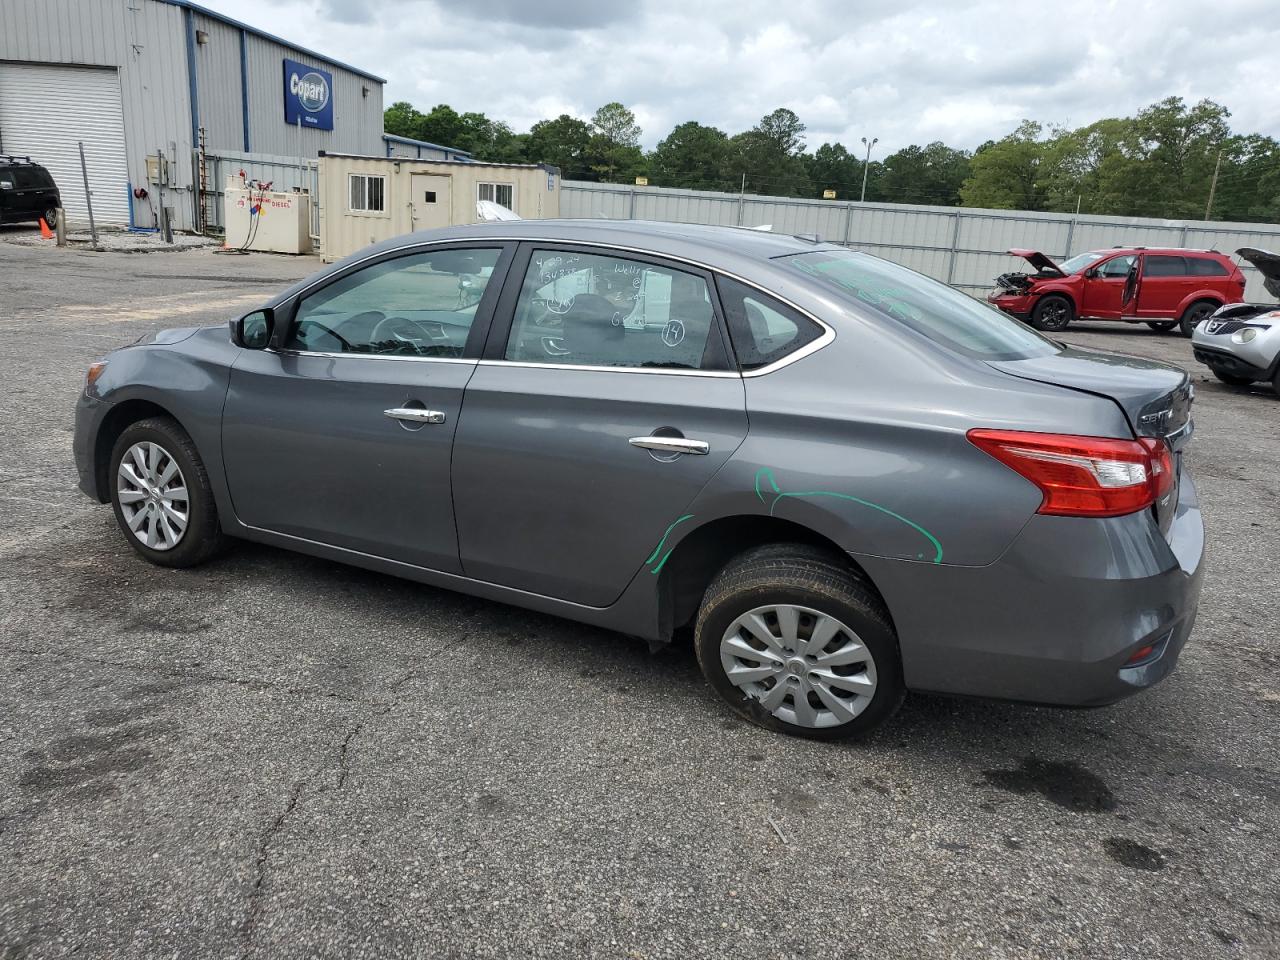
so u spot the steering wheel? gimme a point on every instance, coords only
(400, 330)
(346, 344)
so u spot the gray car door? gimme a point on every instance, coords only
(605, 402)
(342, 432)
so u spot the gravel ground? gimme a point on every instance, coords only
(109, 240)
(278, 756)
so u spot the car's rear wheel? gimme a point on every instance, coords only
(161, 494)
(794, 641)
(1052, 312)
(1194, 314)
(51, 217)
(1232, 379)
(1162, 325)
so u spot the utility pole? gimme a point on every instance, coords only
(866, 165)
(1213, 185)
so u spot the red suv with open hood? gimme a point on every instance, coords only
(1162, 287)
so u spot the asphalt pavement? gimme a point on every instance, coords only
(277, 756)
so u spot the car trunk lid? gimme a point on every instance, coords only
(1155, 397)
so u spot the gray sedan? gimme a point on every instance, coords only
(841, 479)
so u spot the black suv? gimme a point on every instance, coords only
(27, 192)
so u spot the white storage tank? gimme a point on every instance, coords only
(266, 221)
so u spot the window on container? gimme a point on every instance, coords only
(503, 194)
(368, 193)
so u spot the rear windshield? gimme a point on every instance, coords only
(928, 307)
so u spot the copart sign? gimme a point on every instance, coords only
(308, 96)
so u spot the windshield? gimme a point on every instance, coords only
(1080, 261)
(924, 305)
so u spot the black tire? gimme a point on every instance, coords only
(1195, 313)
(51, 217)
(1052, 312)
(807, 577)
(1232, 379)
(1162, 325)
(202, 537)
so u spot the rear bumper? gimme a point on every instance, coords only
(1058, 616)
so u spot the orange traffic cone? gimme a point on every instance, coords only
(44, 230)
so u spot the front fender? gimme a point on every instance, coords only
(188, 380)
(1060, 289)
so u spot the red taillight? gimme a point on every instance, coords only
(1084, 476)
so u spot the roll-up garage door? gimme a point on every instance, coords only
(46, 111)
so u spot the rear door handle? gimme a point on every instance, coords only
(415, 414)
(672, 445)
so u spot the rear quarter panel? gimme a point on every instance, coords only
(865, 442)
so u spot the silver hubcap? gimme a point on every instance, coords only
(805, 667)
(153, 495)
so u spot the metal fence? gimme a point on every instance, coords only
(283, 173)
(963, 246)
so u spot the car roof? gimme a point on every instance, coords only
(715, 246)
(1176, 251)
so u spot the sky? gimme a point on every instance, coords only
(902, 71)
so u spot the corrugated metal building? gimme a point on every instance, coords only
(406, 148)
(136, 78)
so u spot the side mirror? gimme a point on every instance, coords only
(253, 330)
(1091, 273)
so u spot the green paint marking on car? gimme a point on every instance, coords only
(766, 473)
(658, 549)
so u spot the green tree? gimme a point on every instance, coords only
(928, 174)
(1249, 182)
(402, 119)
(691, 156)
(769, 155)
(832, 167)
(614, 149)
(561, 142)
(1006, 174)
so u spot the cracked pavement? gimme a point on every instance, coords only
(277, 756)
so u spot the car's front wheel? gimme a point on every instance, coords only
(794, 641)
(161, 494)
(1052, 312)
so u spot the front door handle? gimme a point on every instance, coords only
(415, 414)
(672, 445)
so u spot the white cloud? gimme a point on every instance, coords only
(906, 71)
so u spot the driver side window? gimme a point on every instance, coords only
(421, 305)
(1117, 267)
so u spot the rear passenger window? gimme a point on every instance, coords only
(593, 310)
(1206, 267)
(1165, 266)
(762, 329)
